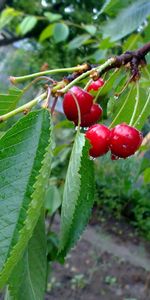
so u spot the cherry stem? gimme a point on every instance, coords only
(143, 110)
(124, 87)
(122, 107)
(54, 71)
(88, 83)
(88, 73)
(78, 109)
(53, 105)
(101, 89)
(135, 58)
(23, 108)
(147, 72)
(136, 104)
(48, 97)
(36, 80)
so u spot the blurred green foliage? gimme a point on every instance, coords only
(63, 33)
(122, 191)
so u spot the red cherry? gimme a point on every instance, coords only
(92, 117)
(85, 101)
(95, 85)
(99, 137)
(125, 140)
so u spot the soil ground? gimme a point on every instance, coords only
(110, 262)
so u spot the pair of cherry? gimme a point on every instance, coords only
(90, 112)
(123, 140)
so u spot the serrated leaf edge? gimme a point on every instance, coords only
(61, 248)
(10, 286)
(30, 223)
(87, 144)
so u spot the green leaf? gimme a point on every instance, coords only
(132, 42)
(24, 168)
(147, 175)
(106, 44)
(78, 41)
(71, 190)
(143, 109)
(91, 29)
(61, 32)
(145, 163)
(78, 195)
(9, 101)
(129, 19)
(111, 7)
(99, 55)
(47, 32)
(59, 149)
(64, 124)
(52, 246)
(52, 199)
(52, 17)
(27, 25)
(109, 83)
(145, 78)
(104, 7)
(126, 106)
(146, 33)
(2, 133)
(13, 90)
(7, 15)
(29, 275)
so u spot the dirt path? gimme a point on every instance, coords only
(102, 267)
(136, 255)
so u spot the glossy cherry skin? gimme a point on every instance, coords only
(92, 117)
(125, 140)
(85, 101)
(95, 85)
(99, 137)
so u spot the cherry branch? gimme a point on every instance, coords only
(134, 58)
(80, 68)
(24, 108)
(94, 73)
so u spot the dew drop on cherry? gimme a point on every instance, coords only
(114, 157)
(92, 158)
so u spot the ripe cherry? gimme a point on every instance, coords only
(99, 137)
(124, 140)
(95, 85)
(92, 117)
(85, 101)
